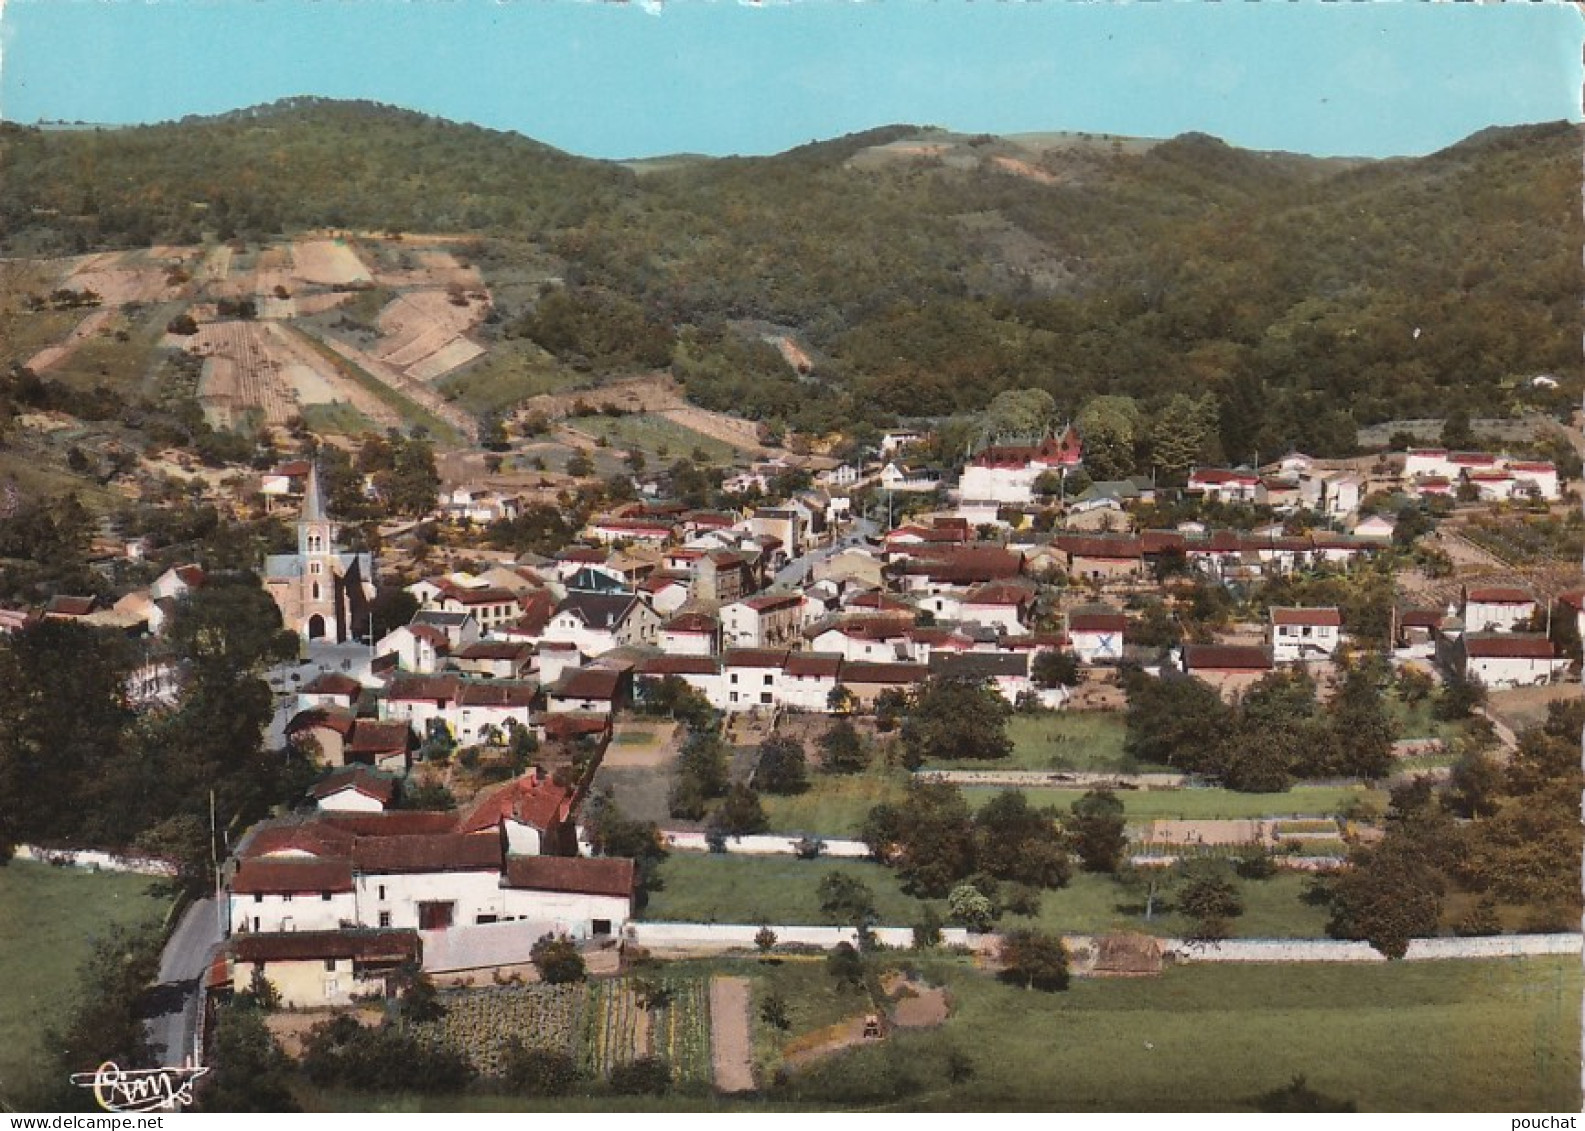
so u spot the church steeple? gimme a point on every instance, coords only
(316, 534)
(313, 498)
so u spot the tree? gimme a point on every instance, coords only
(843, 749)
(970, 906)
(557, 959)
(579, 465)
(839, 701)
(783, 767)
(1185, 434)
(1461, 694)
(1389, 895)
(955, 719)
(1053, 667)
(1013, 841)
(1034, 960)
(927, 931)
(1175, 722)
(248, 1070)
(928, 837)
(531, 1071)
(1111, 426)
(1208, 894)
(774, 1012)
(764, 941)
(740, 813)
(847, 900)
(420, 1004)
(846, 966)
(1097, 830)
(1361, 733)
(1019, 412)
(1457, 435)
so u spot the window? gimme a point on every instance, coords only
(482, 918)
(600, 927)
(733, 678)
(325, 895)
(258, 897)
(765, 697)
(330, 965)
(286, 897)
(385, 919)
(382, 891)
(768, 680)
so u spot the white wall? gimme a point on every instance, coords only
(350, 800)
(474, 893)
(1507, 671)
(301, 911)
(727, 936)
(762, 845)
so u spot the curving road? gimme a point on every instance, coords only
(186, 958)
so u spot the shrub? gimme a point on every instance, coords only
(646, 1076)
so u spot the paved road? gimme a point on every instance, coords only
(182, 967)
(793, 572)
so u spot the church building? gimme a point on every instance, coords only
(322, 591)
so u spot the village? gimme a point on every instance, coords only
(922, 621)
(539, 698)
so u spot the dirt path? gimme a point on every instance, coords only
(731, 1043)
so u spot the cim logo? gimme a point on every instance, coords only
(139, 1089)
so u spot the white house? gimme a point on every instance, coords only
(769, 620)
(1511, 659)
(1097, 633)
(902, 478)
(1007, 473)
(1298, 634)
(354, 789)
(1225, 485)
(599, 622)
(1006, 606)
(1331, 493)
(1497, 608)
(691, 634)
(807, 681)
(702, 673)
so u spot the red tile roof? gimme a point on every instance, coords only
(588, 683)
(1317, 618)
(1097, 620)
(444, 852)
(377, 786)
(315, 837)
(338, 719)
(1000, 593)
(427, 688)
(1499, 595)
(967, 565)
(308, 946)
(530, 799)
(770, 602)
(884, 673)
(1226, 657)
(504, 694)
(755, 658)
(333, 683)
(564, 725)
(611, 876)
(401, 822)
(695, 623)
(1508, 645)
(816, 664)
(374, 736)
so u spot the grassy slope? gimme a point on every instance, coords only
(48, 919)
(1434, 1036)
(1058, 741)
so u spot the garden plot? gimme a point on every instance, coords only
(241, 373)
(328, 263)
(422, 332)
(117, 280)
(53, 355)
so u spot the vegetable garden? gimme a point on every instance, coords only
(601, 1024)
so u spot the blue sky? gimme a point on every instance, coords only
(609, 79)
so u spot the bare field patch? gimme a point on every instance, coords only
(328, 262)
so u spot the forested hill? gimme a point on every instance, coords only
(923, 271)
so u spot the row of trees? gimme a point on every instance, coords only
(1275, 733)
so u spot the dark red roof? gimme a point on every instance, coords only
(445, 852)
(317, 837)
(402, 822)
(884, 673)
(698, 623)
(496, 650)
(1096, 620)
(813, 664)
(309, 946)
(378, 786)
(588, 683)
(1420, 618)
(1124, 547)
(432, 688)
(611, 876)
(1318, 618)
(967, 565)
(66, 606)
(338, 719)
(1509, 645)
(767, 602)
(505, 694)
(564, 725)
(1226, 657)
(1000, 593)
(268, 875)
(756, 658)
(333, 683)
(372, 736)
(1499, 595)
